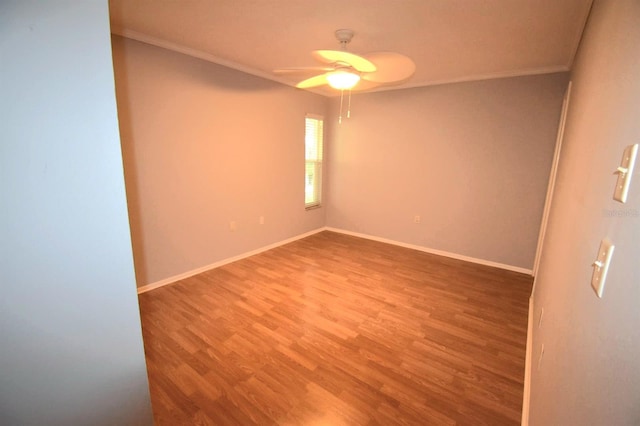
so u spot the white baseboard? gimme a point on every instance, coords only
(526, 396)
(192, 272)
(170, 280)
(434, 251)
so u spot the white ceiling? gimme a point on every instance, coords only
(449, 40)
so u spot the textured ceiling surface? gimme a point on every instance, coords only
(449, 40)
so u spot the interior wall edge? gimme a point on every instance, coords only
(526, 395)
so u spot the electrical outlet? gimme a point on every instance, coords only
(232, 226)
(416, 219)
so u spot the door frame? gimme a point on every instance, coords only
(552, 180)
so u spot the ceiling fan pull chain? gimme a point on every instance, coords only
(341, 99)
(349, 105)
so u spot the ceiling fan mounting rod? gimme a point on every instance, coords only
(344, 36)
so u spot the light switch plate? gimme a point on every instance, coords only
(625, 170)
(601, 266)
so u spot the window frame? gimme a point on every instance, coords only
(316, 161)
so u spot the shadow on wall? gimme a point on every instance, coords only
(129, 162)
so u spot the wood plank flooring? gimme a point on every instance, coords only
(338, 330)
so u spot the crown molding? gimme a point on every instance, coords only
(158, 42)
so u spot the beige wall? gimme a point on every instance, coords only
(472, 159)
(205, 145)
(590, 372)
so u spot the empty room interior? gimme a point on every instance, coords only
(202, 226)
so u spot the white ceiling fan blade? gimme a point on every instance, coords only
(318, 80)
(358, 62)
(301, 69)
(392, 67)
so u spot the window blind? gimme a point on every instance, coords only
(313, 138)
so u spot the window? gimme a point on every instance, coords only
(313, 160)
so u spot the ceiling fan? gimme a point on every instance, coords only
(348, 71)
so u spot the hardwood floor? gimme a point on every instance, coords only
(338, 330)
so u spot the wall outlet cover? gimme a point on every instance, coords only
(601, 266)
(625, 171)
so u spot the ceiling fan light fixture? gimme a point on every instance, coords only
(342, 80)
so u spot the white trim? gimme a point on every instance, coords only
(434, 251)
(314, 116)
(526, 396)
(552, 180)
(173, 279)
(158, 42)
(155, 41)
(466, 79)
